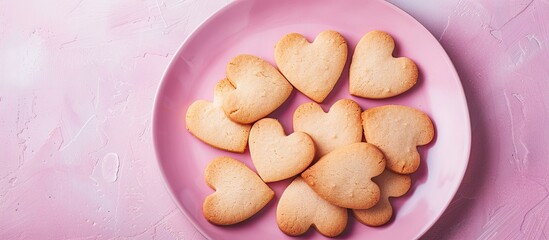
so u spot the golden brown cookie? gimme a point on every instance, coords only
(300, 208)
(259, 89)
(397, 131)
(391, 185)
(277, 156)
(239, 194)
(207, 122)
(343, 177)
(375, 73)
(312, 68)
(339, 127)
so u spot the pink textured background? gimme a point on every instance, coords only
(78, 78)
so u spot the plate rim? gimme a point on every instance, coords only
(222, 10)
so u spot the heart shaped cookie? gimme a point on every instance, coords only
(277, 156)
(391, 185)
(239, 194)
(397, 131)
(259, 89)
(343, 177)
(312, 68)
(207, 122)
(375, 73)
(300, 208)
(339, 127)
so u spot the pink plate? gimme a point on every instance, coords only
(254, 27)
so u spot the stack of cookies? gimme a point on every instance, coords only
(334, 166)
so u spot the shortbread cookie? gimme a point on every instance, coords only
(339, 127)
(239, 194)
(375, 73)
(343, 177)
(259, 89)
(300, 208)
(277, 156)
(392, 185)
(397, 131)
(207, 122)
(312, 68)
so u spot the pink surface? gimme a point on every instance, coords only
(253, 27)
(77, 83)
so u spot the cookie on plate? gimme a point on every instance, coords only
(300, 208)
(312, 68)
(391, 185)
(339, 127)
(259, 89)
(343, 177)
(397, 131)
(239, 194)
(277, 156)
(207, 122)
(375, 73)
